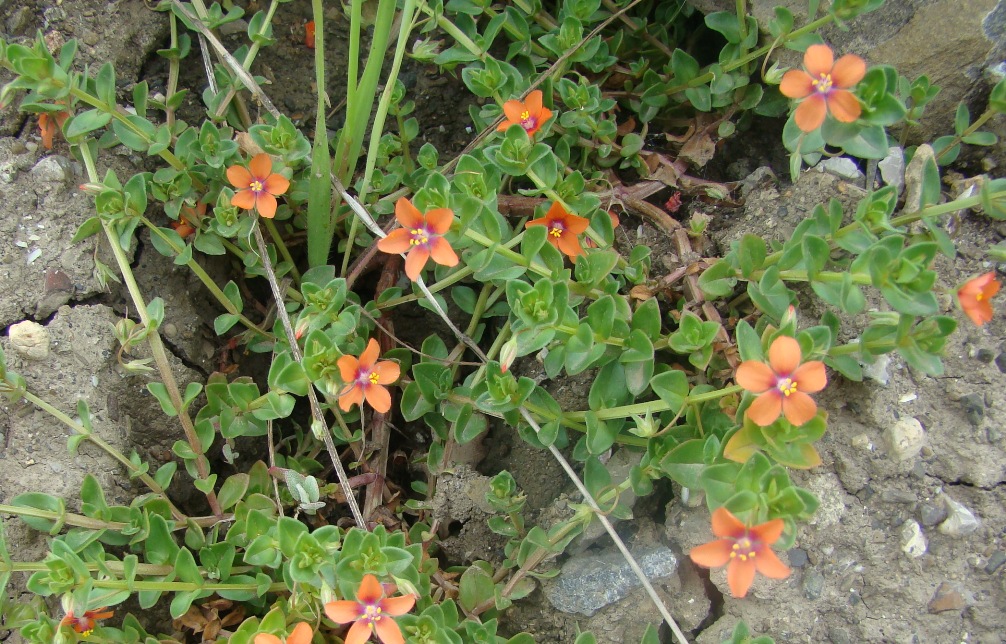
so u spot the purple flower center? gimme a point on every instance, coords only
(822, 84)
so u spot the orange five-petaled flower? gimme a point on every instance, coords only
(371, 613)
(366, 377)
(563, 229)
(86, 622)
(974, 297)
(782, 384)
(530, 114)
(824, 87)
(743, 550)
(421, 237)
(301, 634)
(258, 186)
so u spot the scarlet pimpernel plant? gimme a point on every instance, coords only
(743, 550)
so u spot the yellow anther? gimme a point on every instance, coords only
(787, 386)
(525, 115)
(980, 296)
(823, 83)
(555, 231)
(256, 186)
(744, 558)
(374, 379)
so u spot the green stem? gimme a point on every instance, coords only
(971, 130)
(284, 252)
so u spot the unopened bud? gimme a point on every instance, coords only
(508, 354)
(92, 188)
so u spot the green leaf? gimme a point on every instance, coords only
(81, 124)
(160, 392)
(672, 388)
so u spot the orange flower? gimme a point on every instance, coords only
(367, 377)
(824, 87)
(530, 114)
(48, 124)
(257, 185)
(86, 622)
(743, 550)
(783, 384)
(563, 229)
(301, 634)
(309, 35)
(421, 236)
(372, 612)
(974, 297)
(189, 219)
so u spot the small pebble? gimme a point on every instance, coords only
(52, 169)
(1001, 362)
(913, 541)
(974, 407)
(932, 513)
(797, 557)
(960, 520)
(985, 355)
(898, 496)
(995, 562)
(29, 340)
(892, 168)
(813, 584)
(905, 439)
(947, 597)
(842, 167)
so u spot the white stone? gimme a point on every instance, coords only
(905, 439)
(959, 521)
(877, 370)
(913, 541)
(892, 168)
(842, 167)
(29, 340)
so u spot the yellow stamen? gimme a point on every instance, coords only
(980, 297)
(525, 115)
(419, 236)
(374, 379)
(555, 231)
(823, 83)
(256, 186)
(787, 386)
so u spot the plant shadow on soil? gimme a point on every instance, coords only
(852, 581)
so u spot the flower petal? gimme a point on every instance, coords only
(379, 398)
(796, 83)
(755, 376)
(768, 564)
(276, 184)
(784, 355)
(576, 224)
(543, 117)
(740, 575)
(267, 638)
(442, 253)
(980, 311)
(513, 110)
(407, 214)
(387, 372)
(990, 286)
(370, 590)
(343, 611)
(415, 261)
(388, 631)
(260, 166)
(810, 377)
(798, 407)
(848, 70)
(844, 106)
(301, 634)
(359, 633)
(439, 220)
(809, 114)
(349, 366)
(766, 408)
(725, 524)
(818, 60)
(243, 199)
(369, 356)
(544, 221)
(352, 397)
(239, 176)
(768, 532)
(569, 244)
(713, 554)
(398, 605)
(266, 204)
(396, 242)
(533, 102)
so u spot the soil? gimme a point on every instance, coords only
(853, 580)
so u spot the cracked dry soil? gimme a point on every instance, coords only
(878, 563)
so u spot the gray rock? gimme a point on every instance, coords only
(960, 520)
(813, 584)
(892, 168)
(842, 167)
(932, 513)
(985, 356)
(797, 557)
(913, 176)
(995, 562)
(948, 597)
(913, 541)
(588, 583)
(974, 407)
(905, 439)
(52, 169)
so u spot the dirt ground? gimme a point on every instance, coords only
(878, 563)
